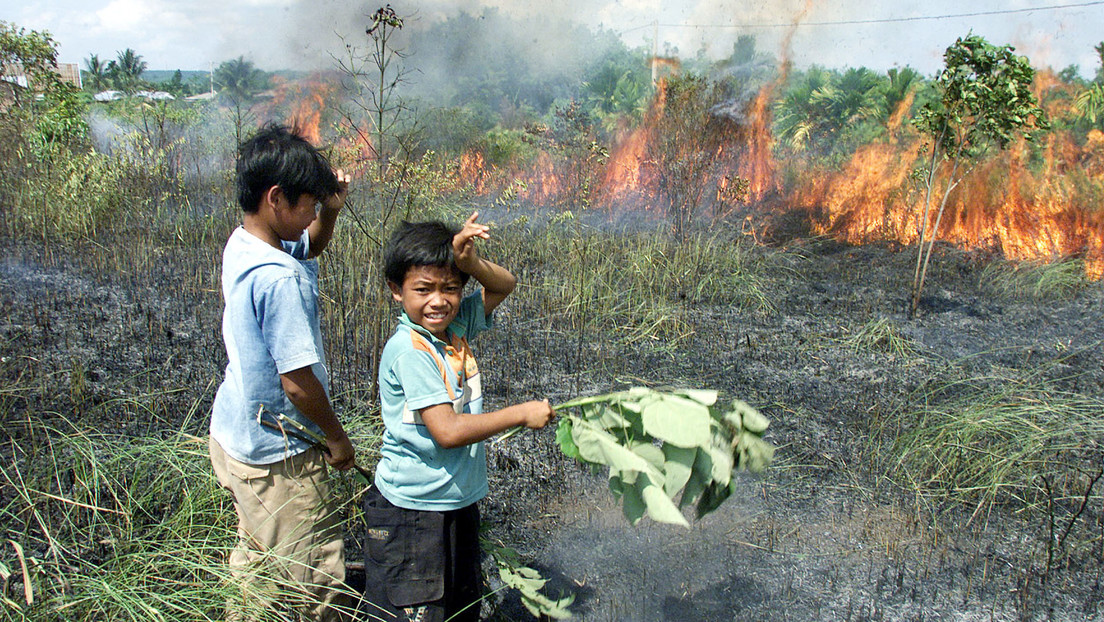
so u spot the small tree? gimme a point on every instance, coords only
(985, 101)
(1090, 102)
(687, 146)
(573, 137)
(44, 110)
(383, 131)
(41, 119)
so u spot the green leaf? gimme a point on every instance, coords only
(628, 478)
(616, 486)
(677, 420)
(757, 452)
(660, 507)
(566, 442)
(723, 462)
(606, 415)
(660, 446)
(753, 420)
(651, 453)
(695, 486)
(632, 504)
(597, 445)
(713, 497)
(705, 397)
(678, 466)
(528, 583)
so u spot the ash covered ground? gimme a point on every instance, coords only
(826, 534)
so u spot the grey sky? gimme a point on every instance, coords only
(301, 34)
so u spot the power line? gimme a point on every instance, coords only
(886, 20)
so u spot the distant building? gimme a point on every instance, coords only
(107, 96)
(14, 74)
(155, 95)
(202, 97)
(70, 72)
(13, 79)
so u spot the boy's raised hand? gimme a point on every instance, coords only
(463, 243)
(336, 201)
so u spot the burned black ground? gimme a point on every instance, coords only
(829, 533)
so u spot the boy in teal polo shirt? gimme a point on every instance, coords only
(422, 551)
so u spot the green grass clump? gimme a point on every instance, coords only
(1034, 280)
(881, 335)
(638, 285)
(1002, 441)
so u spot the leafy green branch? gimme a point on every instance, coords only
(662, 446)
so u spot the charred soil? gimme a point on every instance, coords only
(831, 532)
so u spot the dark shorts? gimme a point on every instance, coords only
(419, 565)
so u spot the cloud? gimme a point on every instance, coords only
(122, 16)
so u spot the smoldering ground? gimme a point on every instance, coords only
(828, 533)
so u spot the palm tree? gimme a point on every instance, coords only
(238, 81)
(97, 72)
(797, 115)
(900, 85)
(851, 98)
(126, 70)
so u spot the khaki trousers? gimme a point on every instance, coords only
(288, 530)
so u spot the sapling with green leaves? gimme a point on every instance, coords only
(985, 100)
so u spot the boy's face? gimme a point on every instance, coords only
(292, 218)
(430, 295)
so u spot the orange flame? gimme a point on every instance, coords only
(1003, 204)
(302, 103)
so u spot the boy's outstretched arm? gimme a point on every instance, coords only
(452, 429)
(305, 391)
(321, 230)
(497, 281)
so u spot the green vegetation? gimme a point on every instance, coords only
(238, 81)
(1016, 442)
(109, 526)
(1090, 102)
(881, 335)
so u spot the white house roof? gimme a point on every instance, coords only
(202, 97)
(158, 95)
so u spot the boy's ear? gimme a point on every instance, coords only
(272, 195)
(396, 291)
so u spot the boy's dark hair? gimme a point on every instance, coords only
(276, 156)
(415, 244)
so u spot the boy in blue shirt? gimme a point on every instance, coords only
(290, 199)
(422, 550)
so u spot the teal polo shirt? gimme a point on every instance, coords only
(418, 370)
